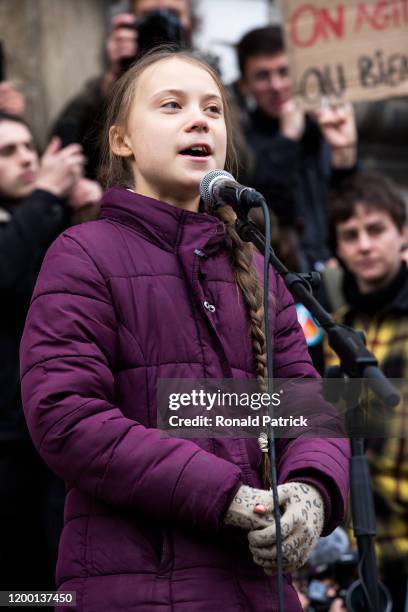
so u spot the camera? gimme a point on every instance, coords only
(157, 27)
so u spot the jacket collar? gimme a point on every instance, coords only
(169, 227)
(393, 298)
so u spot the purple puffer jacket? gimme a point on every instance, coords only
(119, 303)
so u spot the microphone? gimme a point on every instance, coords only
(219, 187)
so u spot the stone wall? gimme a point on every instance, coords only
(52, 47)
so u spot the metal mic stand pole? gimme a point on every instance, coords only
(355, 362)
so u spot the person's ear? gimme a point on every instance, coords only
(119, 142)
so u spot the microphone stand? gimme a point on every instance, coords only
(356, 362)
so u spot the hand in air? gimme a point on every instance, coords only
(338, 126)
(60, 168)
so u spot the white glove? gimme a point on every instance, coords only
(302, 522)
(241, 513)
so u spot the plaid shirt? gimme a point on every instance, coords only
(387, 337)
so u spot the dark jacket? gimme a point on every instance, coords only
(295, 178)
(121, 303)
(26, 230)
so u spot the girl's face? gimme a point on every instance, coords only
(175, 131)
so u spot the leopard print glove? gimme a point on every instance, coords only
(302, 522)
(241, 511)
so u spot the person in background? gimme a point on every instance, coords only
(83, 117)
(11, 100)
(184, 9)
(298, 158)
(367, 225)
(37, 198)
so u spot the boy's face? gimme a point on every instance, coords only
(18, 161)
(177, 105)
(266, 78)
(369, 244)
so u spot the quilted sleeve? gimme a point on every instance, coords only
(68, 390)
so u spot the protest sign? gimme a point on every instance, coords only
(346, 50)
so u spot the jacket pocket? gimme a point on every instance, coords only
(165, 556)
(160, 542)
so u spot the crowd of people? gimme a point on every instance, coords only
(96, 340)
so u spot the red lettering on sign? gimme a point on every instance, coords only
(308, 24)
(335, 23)
(404, 11)
(382, 15)
(363, 16)
(305, 12)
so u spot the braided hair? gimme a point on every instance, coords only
(247, 280)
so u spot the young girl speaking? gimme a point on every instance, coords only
(156, 289)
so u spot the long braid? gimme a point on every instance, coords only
(248, 281)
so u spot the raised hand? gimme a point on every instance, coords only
(292, 120)
(338, 126)
(60, 168)
(84, 193)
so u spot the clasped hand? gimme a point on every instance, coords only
(302, 522)
(302, 519)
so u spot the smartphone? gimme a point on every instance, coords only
(69, 131)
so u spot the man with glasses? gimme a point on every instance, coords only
(298, 157)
